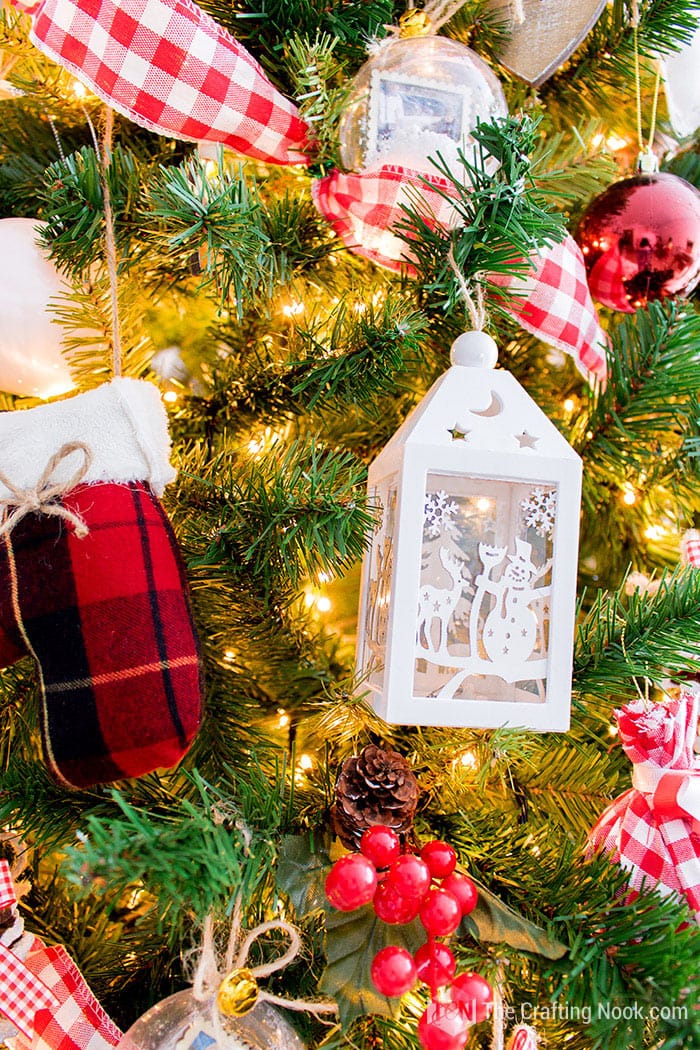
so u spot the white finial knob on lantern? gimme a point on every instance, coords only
(474, 350)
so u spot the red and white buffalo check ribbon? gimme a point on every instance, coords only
(523, 1037)
(46, 998)
(553, 299)
(653, 830)
(169, 67)
(690, 548)
(22, 993)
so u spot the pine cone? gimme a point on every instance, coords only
(374, 787)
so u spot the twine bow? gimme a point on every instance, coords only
(237, 982)
(22, 993)
(43, 496)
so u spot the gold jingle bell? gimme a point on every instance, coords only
(414, 22)
(237, 994)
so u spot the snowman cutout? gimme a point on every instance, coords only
(510, 630)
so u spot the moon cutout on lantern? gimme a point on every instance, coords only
(494, 409)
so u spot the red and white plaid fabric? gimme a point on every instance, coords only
(553, 302)
(75, 1021)
(523, 1037)
(7, 889)
(690, 548)
(653, 830)
(169, 67)
(22, 993)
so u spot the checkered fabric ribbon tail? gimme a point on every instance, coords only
(168, 66)
(690, 548)
(523, 1037)
(653, 830)
(552, 302)
(22, 993)
(76, 1021)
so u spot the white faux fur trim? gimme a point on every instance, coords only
(123, 423)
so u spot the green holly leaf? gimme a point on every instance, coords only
(303, 864)
(492, 920)
(352, 941)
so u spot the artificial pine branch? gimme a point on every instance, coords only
(503, 217)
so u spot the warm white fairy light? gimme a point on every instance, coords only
(483, 504)
(655, 532)
(629, 496)
(306, 762)
(229, 654)
(79, 90)
(569, 404)
(323, 604)
(170, 396)
(293, 308)
(283, 720)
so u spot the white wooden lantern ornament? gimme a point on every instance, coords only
(469, 583)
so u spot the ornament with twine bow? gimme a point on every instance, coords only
(653, 829)
(226, 1008)
(43, 995)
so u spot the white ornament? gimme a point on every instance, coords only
(181, 1022)
(681, 72)
(469, 584)
(31, 362)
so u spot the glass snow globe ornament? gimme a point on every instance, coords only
(181, 1022)
(469, 583)
(418, 96)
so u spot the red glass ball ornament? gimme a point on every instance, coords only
(393, 971)
(440, 858)
(351, 882)
(411, 876)
(443, 1026)
(435, 964)
(474, 995)
(641, 241)
(461, 887)
(381, 845)
(391, 906)
(440, 913)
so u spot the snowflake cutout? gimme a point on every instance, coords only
(540, 510)
(439, 514)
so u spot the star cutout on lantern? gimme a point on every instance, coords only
(459, 433)
(526, 440)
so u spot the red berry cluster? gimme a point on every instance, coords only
(403, 887)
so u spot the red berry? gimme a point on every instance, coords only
(473, 995)
(443, 1026)
(435, 964)
(381, 845)
(411, 876)
(461, 887)
(440, 858)
(440, 913)
(351, 882)
(390, 906)
(393, 971)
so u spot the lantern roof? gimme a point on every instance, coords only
(480, 409)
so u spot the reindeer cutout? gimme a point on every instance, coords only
(438, 604)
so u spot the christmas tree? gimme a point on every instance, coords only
(293, 298)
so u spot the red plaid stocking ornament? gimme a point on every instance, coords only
(92, 585)
(653, 830)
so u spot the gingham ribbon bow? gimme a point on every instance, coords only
(653, 830)
(21, 992)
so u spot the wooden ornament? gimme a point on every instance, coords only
(548, 33)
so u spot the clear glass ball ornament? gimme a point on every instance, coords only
(180, 1022)
(415, 98)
